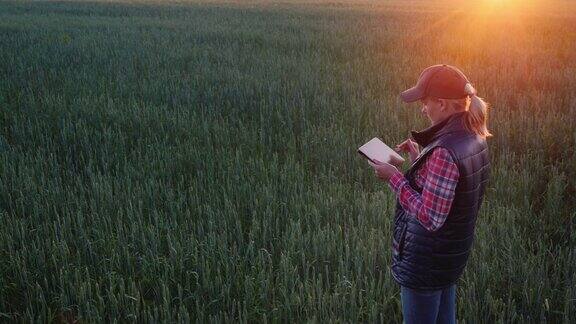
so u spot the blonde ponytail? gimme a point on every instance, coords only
(477, 116)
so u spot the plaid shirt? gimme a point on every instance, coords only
(438, 178)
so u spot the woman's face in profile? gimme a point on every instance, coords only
(432, 108)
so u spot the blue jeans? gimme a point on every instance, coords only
(429, 306)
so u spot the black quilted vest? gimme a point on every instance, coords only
(433, 260)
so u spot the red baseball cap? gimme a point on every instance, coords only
(440, 81)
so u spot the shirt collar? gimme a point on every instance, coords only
(447, 125)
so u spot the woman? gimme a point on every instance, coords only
(438, 198)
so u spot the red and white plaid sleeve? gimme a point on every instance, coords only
(433, 205)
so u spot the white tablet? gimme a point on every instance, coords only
(375, 149)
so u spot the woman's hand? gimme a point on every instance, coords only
(395, 161)
(383, 170)
(411, 147)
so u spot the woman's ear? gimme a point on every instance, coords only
(443, 104)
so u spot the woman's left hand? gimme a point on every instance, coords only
(383, 170)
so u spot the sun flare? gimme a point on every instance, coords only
(507, 4)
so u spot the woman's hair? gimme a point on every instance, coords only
(477, 117)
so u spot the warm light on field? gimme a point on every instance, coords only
(507, 6)
(501, 2)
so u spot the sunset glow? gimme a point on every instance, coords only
(507, 6)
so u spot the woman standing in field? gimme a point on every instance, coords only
(438, 198)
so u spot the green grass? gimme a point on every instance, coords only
(197, 161)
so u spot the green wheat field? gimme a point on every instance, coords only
(196, 161)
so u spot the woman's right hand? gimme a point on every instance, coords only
(409, 146)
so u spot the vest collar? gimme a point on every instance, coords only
(449, 124)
